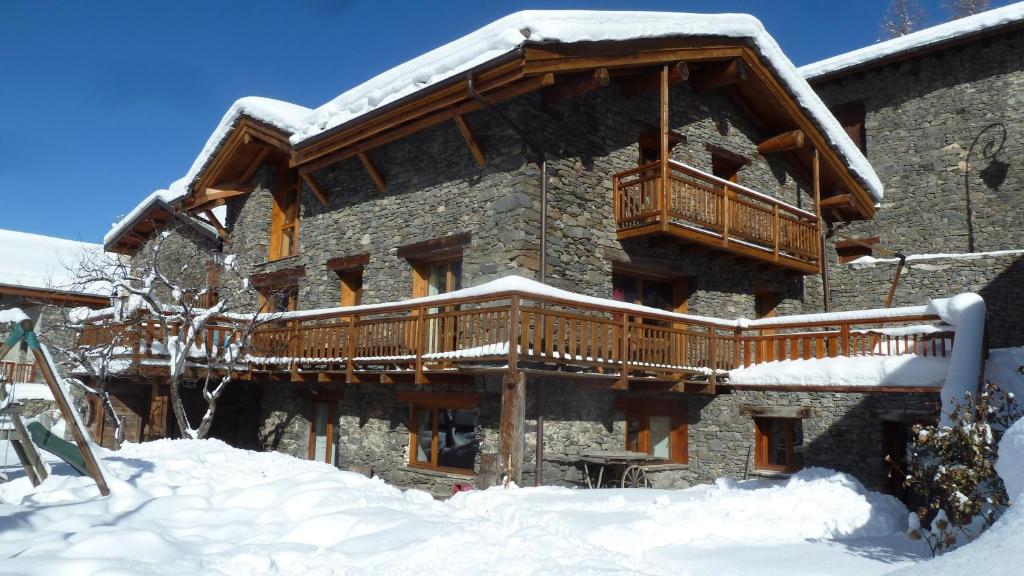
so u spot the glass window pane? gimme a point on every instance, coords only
(436, 280)
(424, 434)
(456, 267)
(457, 443)
(657, 295)
(661, 428)
(777, 442)
(624, 288)
(320, 445)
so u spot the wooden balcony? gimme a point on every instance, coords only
(692, 205)
(17, 372)
(406, 341)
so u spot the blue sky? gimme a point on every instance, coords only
(106, 101)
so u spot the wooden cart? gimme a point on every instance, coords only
(627, 469)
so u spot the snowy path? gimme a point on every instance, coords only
(200, 507)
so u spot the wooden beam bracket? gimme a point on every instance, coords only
(318, 191)
(474, 147)
(371, 169)
(792, 140)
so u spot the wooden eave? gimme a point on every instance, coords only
(249, 143)
(535, 66)
(917, 52)
(55, 297)
(139, 230)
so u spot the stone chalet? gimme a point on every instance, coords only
(517, 254)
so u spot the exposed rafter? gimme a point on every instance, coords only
(576, 84)
(716, 76)
(784, 142)
(837, 201)
(212, 219)
(371, 169)
(318, 191)
(678, 72)
(474, 147)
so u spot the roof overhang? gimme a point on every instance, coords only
(56, 297)
(535, 66)
(149, 220)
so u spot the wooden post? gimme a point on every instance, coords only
(513, 425)
(69, 415)
(513, 335)
(844, 339)
(664, 186)
(712, 360)
(350, 346)
(421, 345)
(725, 215)
(623, 383)
(822, 260)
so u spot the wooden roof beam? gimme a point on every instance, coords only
(310, 181)
(712, 77)
(352, 149)
(837, 201)
(474, 147)
(254, 165)
(577, 84)
(372, 170)
(648, 82)
(792, 140)
(218, 194)
(215, 222)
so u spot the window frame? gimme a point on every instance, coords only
(435, 402)
(350, 289)
(679, 284)
(421, 273)
(763, 441)
(285, 215)
(642, 410)
(332, 446)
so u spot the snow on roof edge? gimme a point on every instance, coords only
(936, 35)
(538, 26)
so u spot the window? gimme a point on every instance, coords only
(851, 117)
(443, 431)
(853, 248)
(649, 289)
(279, 300)
(351, 287)
(436, 277)
(284, 223)
(657, 428)
(765, 303)
(321, 431)
(724, 168)
(778, 444)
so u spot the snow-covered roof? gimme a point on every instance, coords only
(505, 36)
(44, 262)
(933, 37)
(165, 199)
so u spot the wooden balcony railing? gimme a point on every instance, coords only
(523, 330)
(17, 372)
(703, 208)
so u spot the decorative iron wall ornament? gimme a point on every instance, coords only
(992, 138)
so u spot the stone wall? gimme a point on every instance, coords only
(927, 120)
(998, 279)
(843, 431)
(435, 189)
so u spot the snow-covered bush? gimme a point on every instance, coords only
(951, 470)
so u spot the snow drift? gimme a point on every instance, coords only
(201, 507)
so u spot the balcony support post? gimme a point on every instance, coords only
(512, 426)
(822, 259)
(350, 350)
(664, 187)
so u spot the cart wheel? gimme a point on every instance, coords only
(635, 477)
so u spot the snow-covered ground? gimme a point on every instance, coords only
(200, 507)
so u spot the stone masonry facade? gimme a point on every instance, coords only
(842, 431)
(941, 128)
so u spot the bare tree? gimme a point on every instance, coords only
(189, 306)
(901, 18)
(963, 8)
